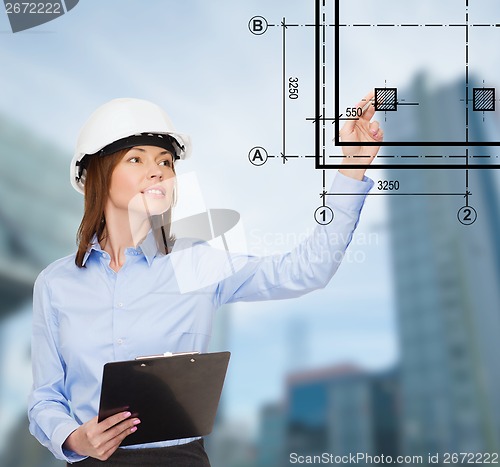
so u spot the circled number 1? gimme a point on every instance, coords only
(323, 215)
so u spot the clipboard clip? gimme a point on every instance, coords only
(166, 354)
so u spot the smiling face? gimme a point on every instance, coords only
(142, 182)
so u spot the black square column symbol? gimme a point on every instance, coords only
(483, 99)
(386, 99)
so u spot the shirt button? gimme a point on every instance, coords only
(119, 341)
(120, 305)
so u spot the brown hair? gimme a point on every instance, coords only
(97, 184)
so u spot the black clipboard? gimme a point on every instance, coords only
(174, 396)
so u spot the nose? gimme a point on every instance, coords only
(154, 171)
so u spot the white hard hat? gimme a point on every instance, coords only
(124, 123)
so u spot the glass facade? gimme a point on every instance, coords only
(446, 281)
(39, 216)
(338, 411)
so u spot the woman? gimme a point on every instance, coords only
(118, 296)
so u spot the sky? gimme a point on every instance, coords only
(223, 86)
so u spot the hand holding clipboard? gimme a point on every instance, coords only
(174, 396)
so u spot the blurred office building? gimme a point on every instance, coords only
(230, 443)
(339, 410)
(37, 225)
(446, 278)
(271, 439)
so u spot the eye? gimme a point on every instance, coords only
(134, 160)
(166, 163)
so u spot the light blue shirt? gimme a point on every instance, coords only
(86, 317)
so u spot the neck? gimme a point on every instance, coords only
(123, 230)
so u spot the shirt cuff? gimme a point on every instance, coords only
(60, 435)
(348, 193)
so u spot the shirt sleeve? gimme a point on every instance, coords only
(49, 413)
(312, 263)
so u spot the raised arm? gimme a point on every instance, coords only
(313, 262)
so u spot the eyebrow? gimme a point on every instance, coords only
(159, 154)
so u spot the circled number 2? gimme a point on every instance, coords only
(467, 215)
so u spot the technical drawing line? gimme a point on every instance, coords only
(424, 156)
(422, 143)
(323, 69)
(317, 110)
(402, 156)
(324, 191)
(408, 166)
(293, 156)
(467, 180)
(390, 25)
(337, 66)
(467, 186)
(292, 25)
(399, 194)
(467, 82)
(313, 119)
(343, 25)
(283, 153)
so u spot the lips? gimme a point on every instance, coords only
(156, 191)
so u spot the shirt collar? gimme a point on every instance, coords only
(148, 247)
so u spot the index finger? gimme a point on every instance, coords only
(369, 106)
(368, 109)
(109, 422)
